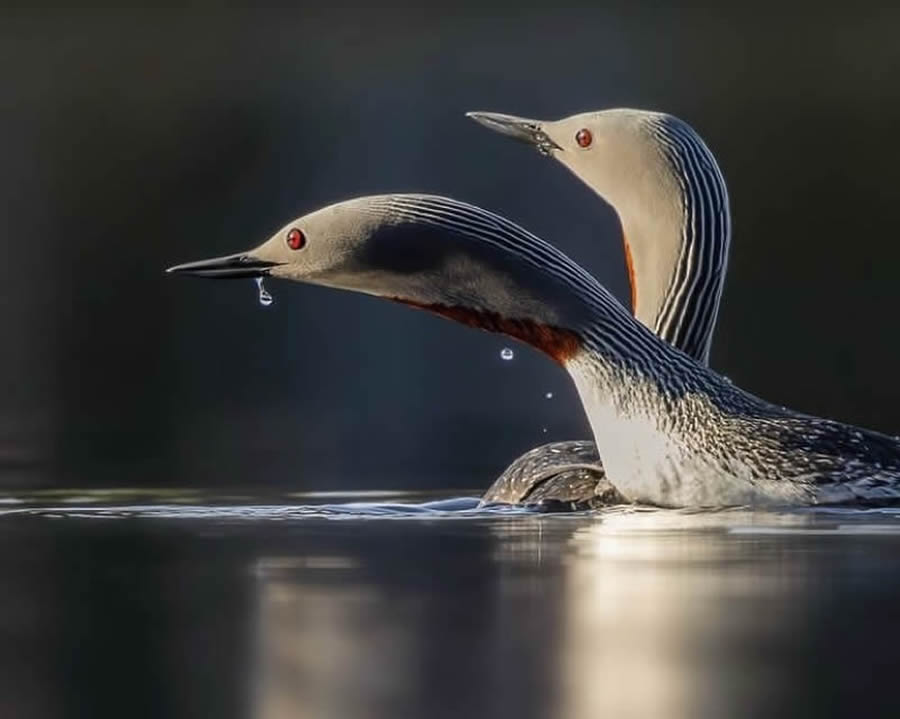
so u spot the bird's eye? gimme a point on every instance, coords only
(296, 239)
(584, 138)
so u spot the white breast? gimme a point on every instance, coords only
(652, 455)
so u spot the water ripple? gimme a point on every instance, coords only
(451, 508)
(178, 504)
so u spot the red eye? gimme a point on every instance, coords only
(296, 239)
(584, 138)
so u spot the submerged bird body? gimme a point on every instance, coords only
(671, 431)
(672, 203)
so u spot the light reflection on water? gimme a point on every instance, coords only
(623, 613)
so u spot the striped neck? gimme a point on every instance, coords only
(488, 272)
(672, 203)
(685, 313)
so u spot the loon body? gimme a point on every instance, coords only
(670, 430)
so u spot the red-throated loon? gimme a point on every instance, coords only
(669, 194)
(671, 431)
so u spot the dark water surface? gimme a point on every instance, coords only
(173, 605)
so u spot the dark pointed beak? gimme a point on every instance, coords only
(518, 128)
(226, 268)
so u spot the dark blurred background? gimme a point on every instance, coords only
(132, 140)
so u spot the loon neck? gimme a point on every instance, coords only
(480, 269)
(624, 369)
(676, 229)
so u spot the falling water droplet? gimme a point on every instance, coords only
(507, 354)
(549, 395)
(265, 299)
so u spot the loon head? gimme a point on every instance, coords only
(432, 253)
(671, 200)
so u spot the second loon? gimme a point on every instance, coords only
(669, 194)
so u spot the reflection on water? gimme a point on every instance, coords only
(667, 625)
(330, 646)
(624, 613)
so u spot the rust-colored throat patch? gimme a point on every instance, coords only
(560, 344)
(629, 268)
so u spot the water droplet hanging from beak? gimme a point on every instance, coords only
(265, 299)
